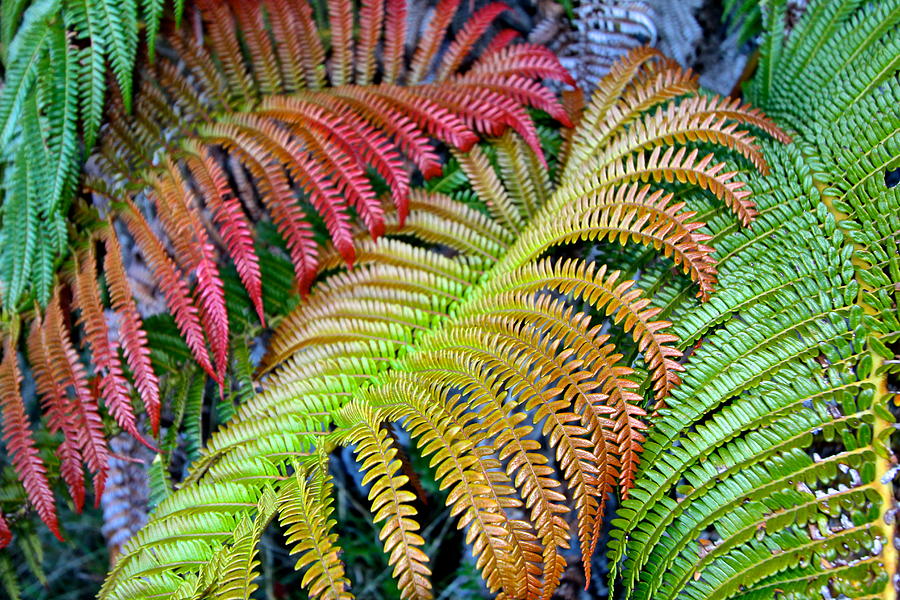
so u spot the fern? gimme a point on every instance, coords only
(458, 326)
(215, 128)
(55, 64)
(769, 472)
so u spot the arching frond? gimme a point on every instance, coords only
(457, 326)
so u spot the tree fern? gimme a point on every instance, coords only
(458, 326)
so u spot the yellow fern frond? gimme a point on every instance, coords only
(391, 503)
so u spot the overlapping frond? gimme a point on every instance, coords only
(311, 153)
(457, 326)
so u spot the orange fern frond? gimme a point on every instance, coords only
(55, 405)
(69, 373)
(391, 504)
(131, 328)
(113, 385)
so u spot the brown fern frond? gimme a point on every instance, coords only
(431, 40)
(340, 18)
(621, 215)
(681, 166)
(371, 24)
(480, 491)
(19, 443)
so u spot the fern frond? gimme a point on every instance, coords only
(19, 443)
(171, 284)
(308, 529)
(431, 40)
(131, 329)
(113, 386)
(55, 404)
(390, 502)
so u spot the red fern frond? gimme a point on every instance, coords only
(20, 447)
(466, 39)
(264, 140)
(394, 40)
(431, 40)
(191, 241)
(354, 134)
(232, 221)
(69, 373)
(523, 91)
(5, 533)
(279, 199)
(131, 328)
(503, 39)
(524, 60)
(172, 285)
(434, 119)
(382, 115)
(113, 385)
(54, 402)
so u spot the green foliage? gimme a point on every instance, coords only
(55, 55)
(769, 472)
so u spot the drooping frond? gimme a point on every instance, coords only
(304, 510)
(131, 328)
(457, 326)
(19, 443)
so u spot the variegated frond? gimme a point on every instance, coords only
(315, 137)
(458, 326)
